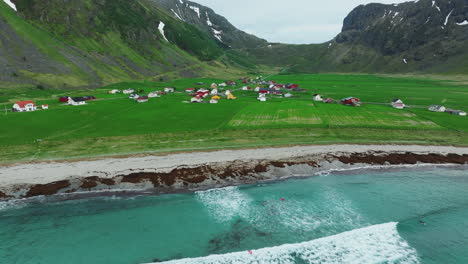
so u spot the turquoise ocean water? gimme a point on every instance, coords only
(368, 216)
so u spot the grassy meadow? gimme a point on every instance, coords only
(116, 125)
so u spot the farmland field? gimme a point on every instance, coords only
(116, 125)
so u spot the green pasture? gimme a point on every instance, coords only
(116, 125)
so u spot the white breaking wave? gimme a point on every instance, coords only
(226, 203)
(373, 244)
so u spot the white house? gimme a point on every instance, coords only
(115, 91)
(287, 95)
(76, 101)
(169, 90)
(154, 94)
(398, 104)
(128, 91)
(24, 106)
(134, 96)
(45, 107)
(196, 99)
(262, 97)
(437, 108)
(317, 98)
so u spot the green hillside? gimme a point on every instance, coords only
(90, 43)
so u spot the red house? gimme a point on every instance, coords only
(351, 101)
(63, 99)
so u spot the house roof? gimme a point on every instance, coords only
(22, 104)
(350, 98)
(78, 99)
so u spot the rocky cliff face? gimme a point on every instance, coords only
(417, 36)
(391, 29)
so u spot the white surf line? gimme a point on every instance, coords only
(373, 244)
(11, 4)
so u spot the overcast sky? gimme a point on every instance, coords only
(288, 21)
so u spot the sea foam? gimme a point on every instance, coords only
(373, 244)
(225, 203)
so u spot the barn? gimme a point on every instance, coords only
(142, 99)
(24, 106)
(351, 101)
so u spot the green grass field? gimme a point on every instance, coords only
(116, 125)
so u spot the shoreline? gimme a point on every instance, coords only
(187, 172)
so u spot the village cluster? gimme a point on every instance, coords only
(265, 90)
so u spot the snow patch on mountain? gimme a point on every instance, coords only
(177, 15)
(208, 21)
(11, 4)
(464, 23)
(196, 10)
(217, 34)
(447, 18)
(161, 30)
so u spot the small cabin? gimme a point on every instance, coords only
(351, 101)
(114, 91)
(437, 108)
(169, 90)
(398, 104)
(154, 94)
(196, 99)
(134, 96)
(456, 112)
(45, 107)
(317, 98)
(76, 101)
(262, 97)
(190, 90)
(24, 106)
(128, 91)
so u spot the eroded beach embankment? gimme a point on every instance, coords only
(164, 175)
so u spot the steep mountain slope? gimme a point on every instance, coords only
(207, 20)
(417, 36)
(91, 42)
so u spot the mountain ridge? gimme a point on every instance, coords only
(94, 42)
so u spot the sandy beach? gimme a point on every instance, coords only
(209, 169)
